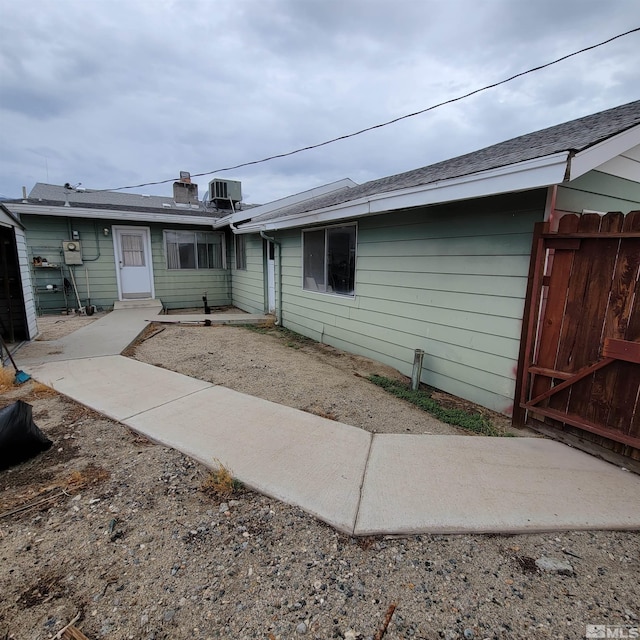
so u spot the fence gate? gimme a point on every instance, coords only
(580, 365)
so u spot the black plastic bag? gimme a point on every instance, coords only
(20, 438)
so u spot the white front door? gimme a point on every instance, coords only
(132, 246)
(271, 276)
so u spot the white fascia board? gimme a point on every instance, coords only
(602, 152)
(288, 201)
(530, 174)
(109, 214)
(218, 223)
(353, 209)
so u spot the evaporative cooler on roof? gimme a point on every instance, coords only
(225, 194)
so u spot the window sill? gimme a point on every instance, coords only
(333, 294)
(192, 270)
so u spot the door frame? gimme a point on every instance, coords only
(270, 264)
(115, 229)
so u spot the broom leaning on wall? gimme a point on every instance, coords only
(21, 376)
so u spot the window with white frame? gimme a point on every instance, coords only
(329, 260)
(241, 252)
(194, 249)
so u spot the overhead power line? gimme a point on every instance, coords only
(388, 122)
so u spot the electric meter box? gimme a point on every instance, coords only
(72, 252)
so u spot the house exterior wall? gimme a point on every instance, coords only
(27, 285)
(598, 191)
(181, 289)
(175, 288)
(448, 280)
(248, 285)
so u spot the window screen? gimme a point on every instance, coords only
(194, 250)
(329, 260)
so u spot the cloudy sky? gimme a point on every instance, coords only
(110, 93)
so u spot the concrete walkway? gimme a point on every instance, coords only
(360, 483)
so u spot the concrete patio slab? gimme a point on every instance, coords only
(462, 484)
(213, 318)
(107, 336)
(291, 455)
(138, 303)
(116, 386)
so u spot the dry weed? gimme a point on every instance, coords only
(138, 438)
(42, 390)
(322, 413)
(269, 323)
(36, 391)
(220, 482)
(77, 412)
(91, 474)
(7, 377)
(44, 497)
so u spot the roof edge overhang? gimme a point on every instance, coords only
(604, 153)
(223, 222)
(12, 220)
(250, 214)
(110, 214)
(529, 174)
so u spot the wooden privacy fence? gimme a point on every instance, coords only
(580, 364)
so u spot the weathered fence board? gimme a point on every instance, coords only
(580, 367)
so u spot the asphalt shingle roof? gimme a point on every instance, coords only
(575, 135)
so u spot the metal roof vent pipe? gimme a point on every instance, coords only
(417, 369)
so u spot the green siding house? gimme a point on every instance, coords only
(95, 248)
(436, 258)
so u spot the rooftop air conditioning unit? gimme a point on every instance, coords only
(225, 194)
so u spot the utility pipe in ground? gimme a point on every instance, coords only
(417, 369)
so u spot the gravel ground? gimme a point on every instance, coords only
(129, 535)
(55, 327)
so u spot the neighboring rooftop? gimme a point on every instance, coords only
(58, 195)
(574, 136)
(54, 195)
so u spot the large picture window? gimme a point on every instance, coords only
(329, 260)
(194, 250)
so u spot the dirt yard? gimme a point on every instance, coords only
(134, 538)
(289, 369)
